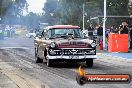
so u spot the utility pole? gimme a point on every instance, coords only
(1, 1)
(1, 6)
(83, 16)
(104, 24)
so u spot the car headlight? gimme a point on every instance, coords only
(52, 52)
(93, 44)
(52, 45)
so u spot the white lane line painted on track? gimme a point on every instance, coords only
(14, 48)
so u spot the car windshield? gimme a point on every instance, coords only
(63, 33)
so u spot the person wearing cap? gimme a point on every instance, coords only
(123, 29)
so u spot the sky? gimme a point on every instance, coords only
(36, 5)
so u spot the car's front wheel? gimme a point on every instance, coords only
(89, 62)
(37, 59)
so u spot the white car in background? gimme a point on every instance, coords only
(31, 34)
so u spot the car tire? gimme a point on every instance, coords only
(45, 54)
(89, 62)
(37, 59)
(49, 63)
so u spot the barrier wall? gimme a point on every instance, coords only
(118, 42)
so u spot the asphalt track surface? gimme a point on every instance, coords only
(17, 63)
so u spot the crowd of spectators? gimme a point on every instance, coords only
(97, 32)
(6, 31)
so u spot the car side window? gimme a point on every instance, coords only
(43, 34)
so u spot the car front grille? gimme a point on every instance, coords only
(67, 52)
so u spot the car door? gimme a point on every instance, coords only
(42, 45)
(38, 42)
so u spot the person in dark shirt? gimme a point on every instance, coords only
(100, 34)
(130, 30)
(90, 31)
(112, 30)
(123, 29)
(100, 31)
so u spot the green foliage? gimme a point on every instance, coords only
(11, 10)
(117, 7)
(31, 20)
(50, 10)
(50, 6)
(71, 11)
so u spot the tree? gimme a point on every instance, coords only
(49, 10)
(31, 20)
(71, 11)
(117, 8)
(11, 10)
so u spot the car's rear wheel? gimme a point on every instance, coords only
(49, 62)
(89, 62)
(37, 59)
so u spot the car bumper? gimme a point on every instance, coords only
(73, 57)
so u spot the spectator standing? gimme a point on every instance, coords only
(90, 31)
(130, 37)
(107, 31)
(8, 30)
(123, 29)
(12, 31)
(2, 30)
(112, 29)
(100, 33)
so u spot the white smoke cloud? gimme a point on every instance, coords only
(36, 5)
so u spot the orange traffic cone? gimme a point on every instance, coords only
(101, 45)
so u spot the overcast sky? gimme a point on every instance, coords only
(36, 5)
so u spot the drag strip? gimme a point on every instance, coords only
(20, 55)
(63, 74)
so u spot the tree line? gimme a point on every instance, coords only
(71, 11)
(11, 11)
(64, 12)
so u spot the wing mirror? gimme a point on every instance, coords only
(45, 30)
(85, 35)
